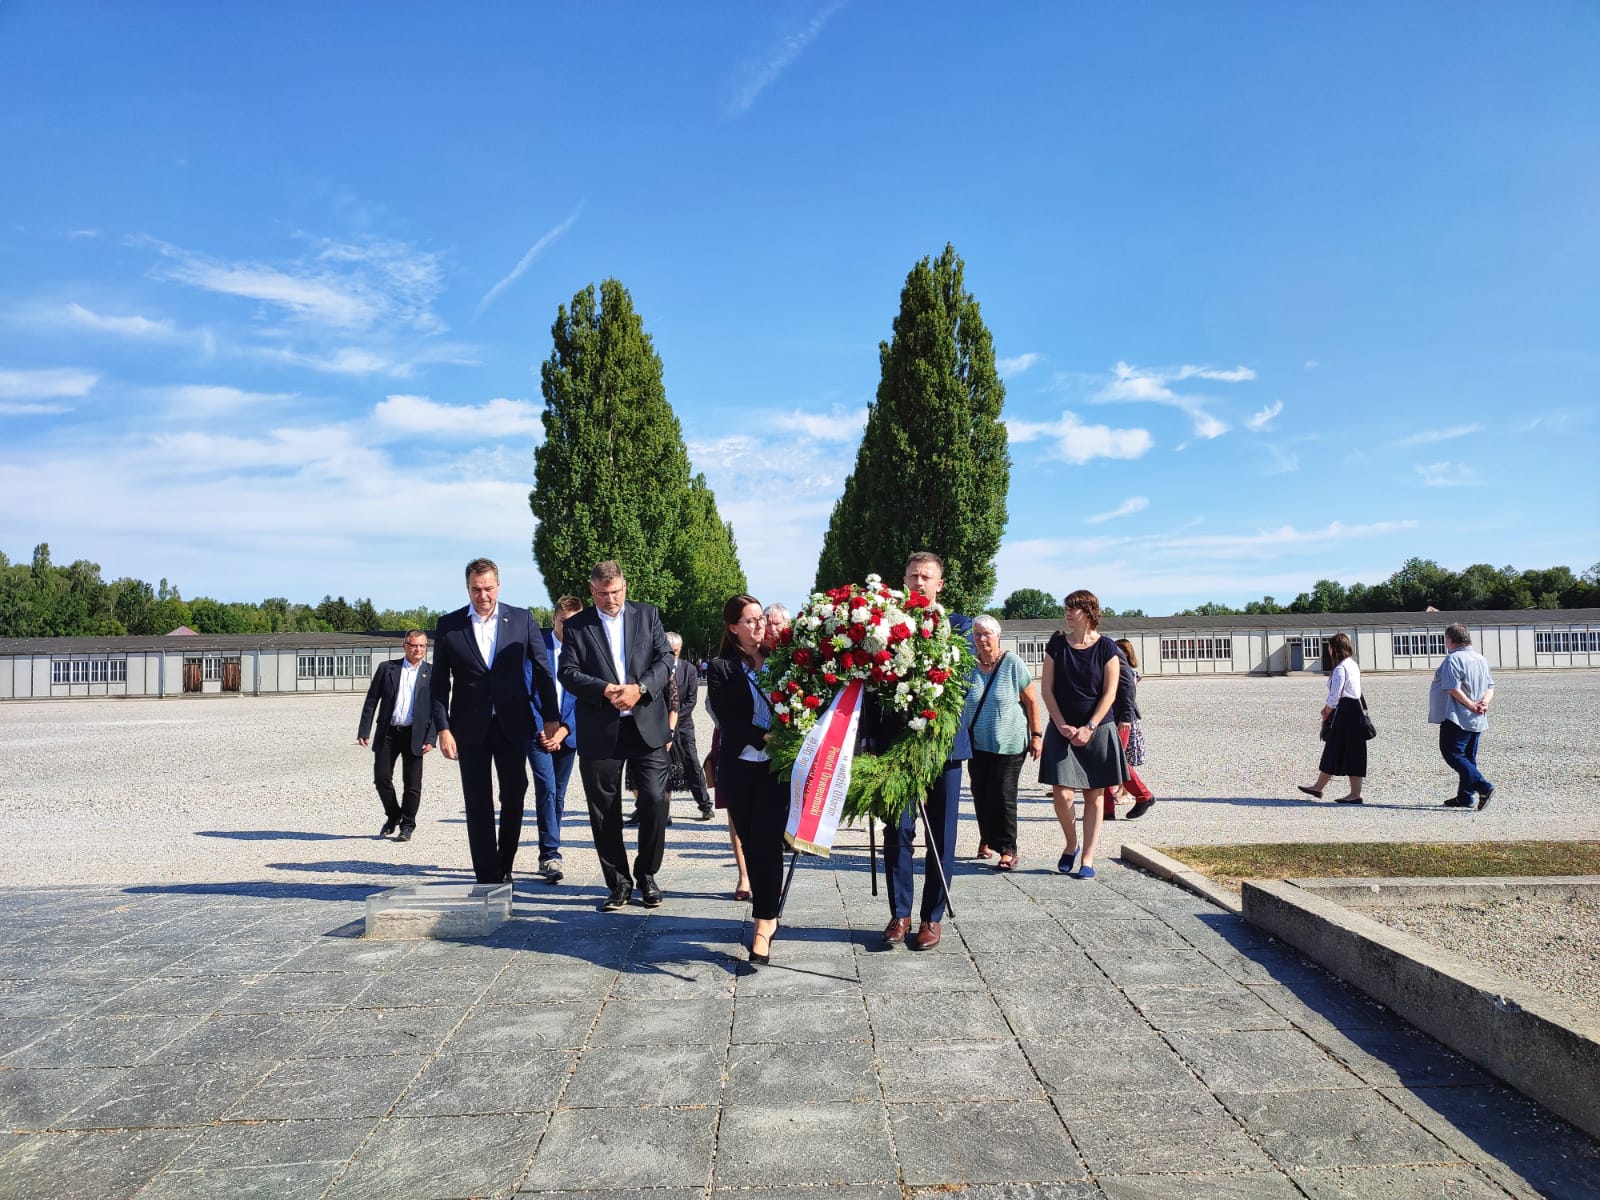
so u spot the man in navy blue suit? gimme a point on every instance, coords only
(553, 768)
(616, 658)
(925, 574)
(488, 661)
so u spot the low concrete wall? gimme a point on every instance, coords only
(1548, 1050)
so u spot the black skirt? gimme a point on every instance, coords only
(1345, 751)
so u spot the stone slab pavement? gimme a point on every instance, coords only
(1114, 1038)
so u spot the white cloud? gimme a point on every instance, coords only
(214, 398)
(1274, 541)
(841, 425)
(1126, 509)
(1264, 417)
(14, 409)
(1150, 385)
(134, 326)
(1283, 461)
(52, 383)
(1448, 474)
(1076, 442)
(496, 418)
(526, 260)
(1428, 437)
(1017, 365)
(756, 76)
(1312, 364)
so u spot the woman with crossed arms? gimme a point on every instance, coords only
(1081, 750)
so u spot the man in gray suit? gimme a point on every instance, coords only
(615, 659)
(401, 696)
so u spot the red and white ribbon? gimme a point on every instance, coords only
(821, 777)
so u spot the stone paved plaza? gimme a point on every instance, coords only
(1114, 1038)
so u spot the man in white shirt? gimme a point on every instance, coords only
(401, 697)
(1458, 703)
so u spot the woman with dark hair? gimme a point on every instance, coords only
(1126, 714)
(756, 799)
(1081, 750)
(1344, 725)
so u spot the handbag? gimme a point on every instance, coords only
(1368, 728)
(710, 768)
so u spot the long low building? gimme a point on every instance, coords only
(191, 664)
(1280, 643)
(1277, 644)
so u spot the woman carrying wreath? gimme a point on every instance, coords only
(756, 799)
(1004, 714)
(1081, 750)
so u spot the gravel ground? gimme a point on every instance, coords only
(215, 789)
(1552, 944)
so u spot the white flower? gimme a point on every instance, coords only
(916, 724)
(841, 641)
(902, 688)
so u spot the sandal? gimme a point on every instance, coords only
(983, 850)
(1007, 862)
(741, 894)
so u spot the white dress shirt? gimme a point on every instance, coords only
(404, 694)
(486, 630)
(555, 659)
(1344, 680)
(613, 628)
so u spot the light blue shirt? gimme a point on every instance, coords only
(1468, 670)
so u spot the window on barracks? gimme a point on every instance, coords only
(1566, 641)
(356, 665)
(1419, 645)
(1311, 646)
(1197, 649)
(89, 670)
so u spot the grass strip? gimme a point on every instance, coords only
(1228, 865)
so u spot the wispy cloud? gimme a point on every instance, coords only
(1312, 364)
(1017, 365)
(1274, 541)
(841, 425)
(1428, 437)
(51, 383)
(759, 74)
(1264, 417)
(526, 260)
(133, 326)
(500, 417)
(1283, 460)
(1151, 385)
(1126, 509)
(219, 399)
(1448, 474)
(1076, 442)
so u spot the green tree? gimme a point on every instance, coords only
(611, 480)
(933, 469)
(708, 557)
(1210, 608)
(1030, 604)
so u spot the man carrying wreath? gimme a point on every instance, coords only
(925, 577)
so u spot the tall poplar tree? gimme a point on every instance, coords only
(612, 477)
(933, 468)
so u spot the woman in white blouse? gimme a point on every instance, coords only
(1344, 729)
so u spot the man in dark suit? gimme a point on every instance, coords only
(683, 740)
(401, 696)
(481, 679)
(616, 658)
(553, 768)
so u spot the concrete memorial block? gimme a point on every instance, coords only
(438, 910)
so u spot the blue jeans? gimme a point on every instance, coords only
(899, 847)
(1459, 747)
(550, 775)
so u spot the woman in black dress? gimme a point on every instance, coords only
(1081, 751)
(756, 799)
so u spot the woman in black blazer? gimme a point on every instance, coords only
(757, 801)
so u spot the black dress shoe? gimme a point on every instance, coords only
(405, 834)
(631, 819)
(1458, 802)
(618, 898)
(705, 814)
(1139, 809)
(388, 828)
(649, 893)
(1484, 797)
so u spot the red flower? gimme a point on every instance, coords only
(784, 717)
(813, 701)
(917, 600)
(937, 674)
(838, 594)
(827, 651)
(876, 617)
(793, 687)
(857, 632)
(899, 631)
(882, 656)
(786, 636)
(927, 633)
(802, 657)
(776, 697)
(929, 715)
(846, 661)
(830, 677)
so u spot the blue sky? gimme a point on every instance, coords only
(1279, 293)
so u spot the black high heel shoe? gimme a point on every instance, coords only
(766, 958)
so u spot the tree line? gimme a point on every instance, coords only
(1417, 586)
(40, 599)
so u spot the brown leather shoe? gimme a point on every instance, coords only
(895, 931)
(928, 935)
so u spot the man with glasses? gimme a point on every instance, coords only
(401, 696)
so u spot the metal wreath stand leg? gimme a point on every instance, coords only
(933, 849)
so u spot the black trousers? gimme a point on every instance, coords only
(994, 797)
(689, 755)
(507, 759)
(395, 743)
(602, 789)
(758, 805)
